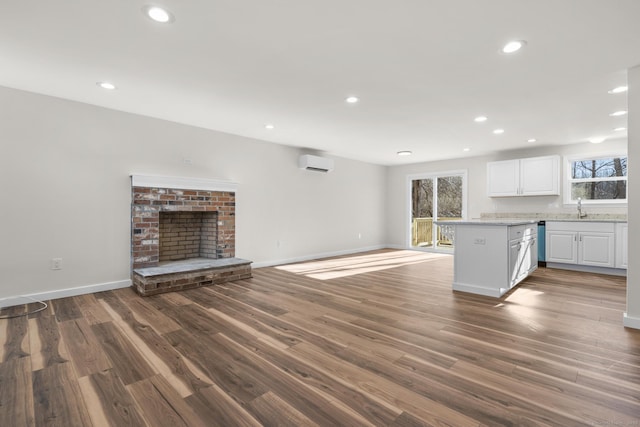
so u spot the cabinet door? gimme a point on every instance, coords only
(531, 256)
(514, 261)
(622, 245)
(540, 176)
(562, 246)
(503, 178)
(596, 249)
(523, 259)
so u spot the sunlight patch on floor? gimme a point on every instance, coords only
(522, 306)
(358, 264)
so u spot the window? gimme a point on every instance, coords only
(435, 197)
(597, 180)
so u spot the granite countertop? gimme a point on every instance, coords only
(496, 222)
(587, 219)
(566, 216)
(521, 221)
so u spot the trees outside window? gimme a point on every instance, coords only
(599, 179)
(435, 197)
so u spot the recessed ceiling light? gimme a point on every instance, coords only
(513, 46)
(596, 140)
(269, 126)
(531, 140)
(619, 129)
(498, 131)
(404, 153)
(158, 14)
(351, 99)
(618, 89)
(480, 119)
(618, 113)
(106, 85)
(466, 149)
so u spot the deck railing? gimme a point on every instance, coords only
(422, 232)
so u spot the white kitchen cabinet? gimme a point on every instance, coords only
(534, 176)
(561, 246)
(596, 249)
(503, 178)
(490, 258)
(622, 245)
(580, 243)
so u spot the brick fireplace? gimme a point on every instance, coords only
(183, 234)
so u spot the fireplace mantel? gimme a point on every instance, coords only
(150, 181)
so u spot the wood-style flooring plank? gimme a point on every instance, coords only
(91, 309)
(155, 348)
(272, 410)
(118, 406)
(368, 406)
(16, 340)
(16, 393)
(223, 369)
(84, 349)
(127, 362)
(162, 405)
(220, 409)
(57, 397)
(66, 309)
(49, 343)
(158, 321)
(403, 396)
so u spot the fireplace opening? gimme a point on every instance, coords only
(187, 236)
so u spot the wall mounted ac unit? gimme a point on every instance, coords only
(315, 163)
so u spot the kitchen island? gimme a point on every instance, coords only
(491, 257)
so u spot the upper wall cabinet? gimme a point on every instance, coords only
(535, 176)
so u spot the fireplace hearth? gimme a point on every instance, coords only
(183, 234)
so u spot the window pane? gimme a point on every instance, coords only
(422, 198)
(599, 190)
(599, 168)
(449, 197)
(422, 212)
(449, 206)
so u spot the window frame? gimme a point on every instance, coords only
(568, 160)
(432, 175)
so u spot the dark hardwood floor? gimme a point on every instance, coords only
(371, 339)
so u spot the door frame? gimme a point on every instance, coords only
(431, 175)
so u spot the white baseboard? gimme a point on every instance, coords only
(479, 290)
(62, 293)
(316, 256)
(400, 247)
(631, 322)
(587, 268)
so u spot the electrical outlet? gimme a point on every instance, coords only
(187, 161)
(56, 263)
(479, 241)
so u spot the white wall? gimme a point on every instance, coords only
(478, 202)
(65, 189)
(632, 316)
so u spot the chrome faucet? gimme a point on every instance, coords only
(580, 213)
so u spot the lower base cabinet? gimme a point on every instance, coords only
(581, 243)
(490, 259)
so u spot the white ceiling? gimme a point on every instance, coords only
(423, 69)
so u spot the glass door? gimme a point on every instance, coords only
(436, 197)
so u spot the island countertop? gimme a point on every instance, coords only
(496, 222)
(523, 221)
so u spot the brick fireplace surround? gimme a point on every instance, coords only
(174, 264)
